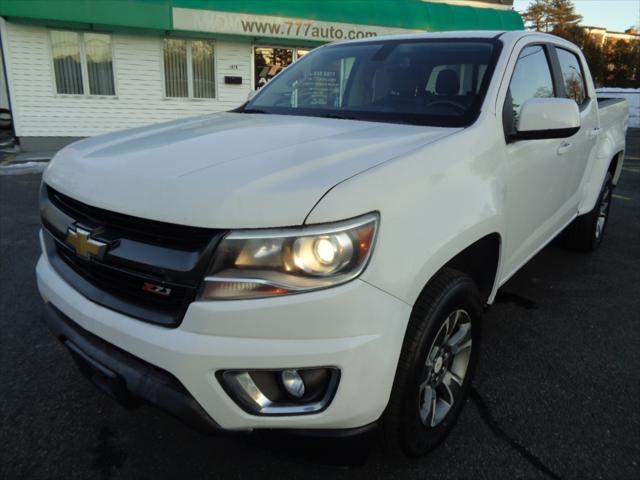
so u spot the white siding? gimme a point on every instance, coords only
(39, 111)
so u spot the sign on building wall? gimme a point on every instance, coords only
(274, 27)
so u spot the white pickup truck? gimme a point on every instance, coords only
(319, 259)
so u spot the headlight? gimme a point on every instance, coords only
(266, 263)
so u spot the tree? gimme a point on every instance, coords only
(596, 59)
(612, 64)
(551, 15)
(536, 15)
(624, 57)
(562, 15)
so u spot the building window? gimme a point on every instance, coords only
(175, 68)
(82, 62)
(66, 62)
(203, 69)
(97, 48)
(189, 68)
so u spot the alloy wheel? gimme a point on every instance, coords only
(445, 368)
(603, 212)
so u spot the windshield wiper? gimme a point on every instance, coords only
(255, 110)
(333, 115)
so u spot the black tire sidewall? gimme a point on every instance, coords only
(580, 235)
(416, 438)
(597, 241)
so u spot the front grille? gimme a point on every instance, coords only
(125, 285)
(142, 252)
(134, 228)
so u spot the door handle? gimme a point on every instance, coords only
(564, 148)
(594, 132)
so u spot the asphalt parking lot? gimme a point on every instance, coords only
(557, 392)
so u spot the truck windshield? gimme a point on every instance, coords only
(423, 82)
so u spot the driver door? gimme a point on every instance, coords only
(539, 171)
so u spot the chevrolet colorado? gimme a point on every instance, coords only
(319, 258)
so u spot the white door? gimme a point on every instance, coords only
(539, 171)
(584, 142)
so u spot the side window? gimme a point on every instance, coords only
(531, 79)
(572, 75)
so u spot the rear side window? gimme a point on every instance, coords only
(572, 75)
(531, 79)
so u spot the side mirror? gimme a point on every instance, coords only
(543, 118)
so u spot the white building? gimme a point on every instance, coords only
(85, 67)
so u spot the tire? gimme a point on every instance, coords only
(449, 308)
(5, 119)
(586, 233)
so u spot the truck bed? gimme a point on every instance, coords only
(614, 122)
(604, 102)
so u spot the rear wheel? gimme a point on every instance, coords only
(587, 231)
(436, 365)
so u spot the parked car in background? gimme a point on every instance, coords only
(320, 258)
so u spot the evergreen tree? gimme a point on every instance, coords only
(536, 15)
(612, 65)
(562, 15)
(551, 15)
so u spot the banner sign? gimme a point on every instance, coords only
(275, 27)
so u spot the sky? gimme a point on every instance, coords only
(616, 15)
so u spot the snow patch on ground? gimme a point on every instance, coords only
(23, 168)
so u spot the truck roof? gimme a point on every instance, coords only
(508, 37)
(512, 35)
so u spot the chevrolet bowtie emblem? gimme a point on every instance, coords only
(86, 247)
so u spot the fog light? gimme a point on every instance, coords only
(293, 383)
(290, 391)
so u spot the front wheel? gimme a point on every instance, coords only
(436, 364)
(586, 232)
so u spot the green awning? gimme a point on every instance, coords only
(158, 14)
(409, 14)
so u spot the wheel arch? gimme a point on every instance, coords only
(605, 163)
(480, 260)
(615, 166)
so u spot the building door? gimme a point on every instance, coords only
(269, 61)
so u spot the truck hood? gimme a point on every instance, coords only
(228, 170)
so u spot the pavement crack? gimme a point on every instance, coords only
(498, 431)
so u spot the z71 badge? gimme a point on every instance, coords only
(157, 289)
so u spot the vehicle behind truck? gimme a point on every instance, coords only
(320, 258)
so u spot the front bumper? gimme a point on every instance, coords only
(355, 327)
(127, 378)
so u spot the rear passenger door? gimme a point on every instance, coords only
(574, 83)
(539, 171)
